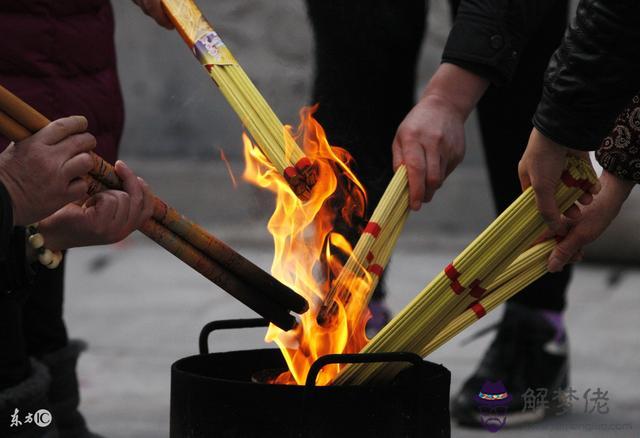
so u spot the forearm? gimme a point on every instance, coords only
(615, 188)
(458, 87)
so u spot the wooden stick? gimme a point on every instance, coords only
(193, 233)
(211, 270)
(104, 177)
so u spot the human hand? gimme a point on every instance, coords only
(541, 168)
(592, 221)
(43, 172)
(106, 217)
(153, 8)
(430, 140)
(430, 143)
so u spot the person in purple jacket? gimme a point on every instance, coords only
(59, 56)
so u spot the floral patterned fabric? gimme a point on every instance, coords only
(619, 152)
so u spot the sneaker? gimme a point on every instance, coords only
(529, 357)
(380, 316)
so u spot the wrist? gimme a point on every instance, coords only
(549, 145)
(618, 188)
(52, 235)
(457, 87)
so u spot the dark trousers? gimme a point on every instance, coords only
(366, 54)
(31, 324)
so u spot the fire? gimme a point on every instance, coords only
(309, 250)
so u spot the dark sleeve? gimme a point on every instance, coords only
(619, 152)
(488, 36)
(15, 270)
(6, 221)
(593, 74)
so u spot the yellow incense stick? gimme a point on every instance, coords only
(255, 113)
(531, 264)
(390, 214)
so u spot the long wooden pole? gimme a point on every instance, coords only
(174, 232)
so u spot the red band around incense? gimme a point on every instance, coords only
(451, 272)
(478, 309)
(457, 287)
(376, 269)
(476, 290)
(373, 229)
(303, 163)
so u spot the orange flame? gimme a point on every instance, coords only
(309, 250)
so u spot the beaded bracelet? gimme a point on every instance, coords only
(50, 259)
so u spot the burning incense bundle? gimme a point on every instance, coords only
(274, 140)
(460, 285)
(372, 251)
(183, 238)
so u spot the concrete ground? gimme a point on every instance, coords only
(141, 309)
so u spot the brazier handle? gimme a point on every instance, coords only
(226, 324)
(328, 359)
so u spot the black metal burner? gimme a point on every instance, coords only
(216, 395)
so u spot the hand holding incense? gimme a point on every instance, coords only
(174, 232)
(461, 284)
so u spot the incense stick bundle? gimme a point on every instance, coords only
(461, 283)
(256, 115)
(174, 232)
(526, 269)
(372, 251)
